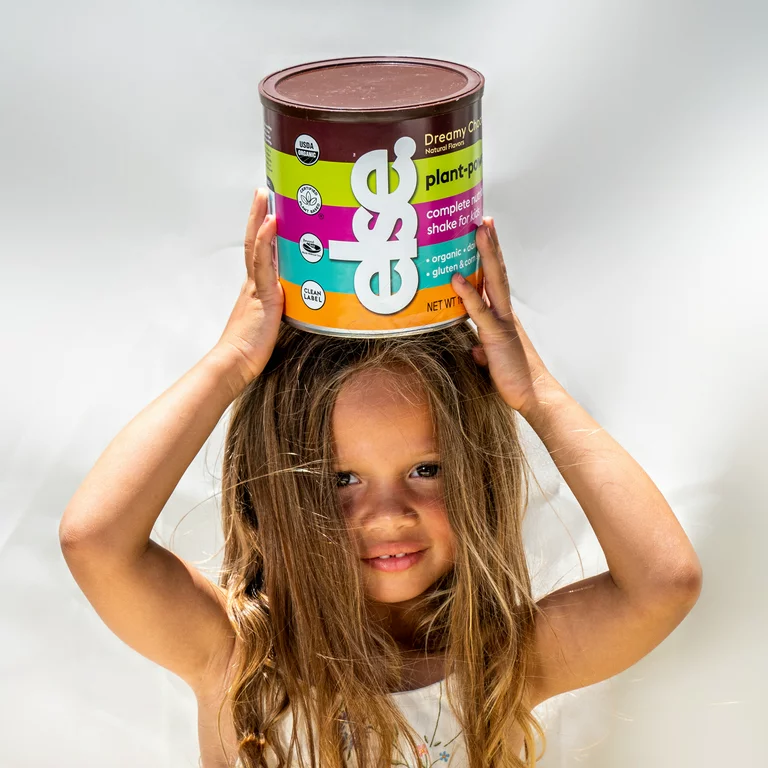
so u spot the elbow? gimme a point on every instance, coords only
(674, 592)
(687, 580)
(68, 538)
(72, 532)
(76, 539)
(72, 541)
(679, 585)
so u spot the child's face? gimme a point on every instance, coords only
(390, 482)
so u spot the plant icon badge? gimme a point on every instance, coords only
(309, 199)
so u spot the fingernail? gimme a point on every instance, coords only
(460, 278)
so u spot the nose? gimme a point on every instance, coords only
(385, 505)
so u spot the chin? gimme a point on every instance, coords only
(392, 596)
(393, 593)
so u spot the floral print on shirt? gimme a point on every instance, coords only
(430, 751)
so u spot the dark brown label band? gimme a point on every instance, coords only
(345, 142)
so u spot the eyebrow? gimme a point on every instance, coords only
(428, 453)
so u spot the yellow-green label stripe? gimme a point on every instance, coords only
(332, 180)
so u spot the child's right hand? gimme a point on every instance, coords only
(251, 331)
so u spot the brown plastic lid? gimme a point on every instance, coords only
(371, 88)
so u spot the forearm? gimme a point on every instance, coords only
(644, 544)
(122, 496)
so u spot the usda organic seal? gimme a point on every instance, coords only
(307, 149)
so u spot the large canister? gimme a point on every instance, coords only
(375, 172)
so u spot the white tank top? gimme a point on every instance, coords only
(439, 736)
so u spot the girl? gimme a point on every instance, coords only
(375, 605)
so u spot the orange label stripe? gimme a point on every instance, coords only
(344, 311)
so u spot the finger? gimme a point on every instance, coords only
(255, 219)
(496, 282)
(481, 290)
(478, 310)
(478, 353)
(264, 272)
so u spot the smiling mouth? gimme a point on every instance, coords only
(395, 557)
(393, 563)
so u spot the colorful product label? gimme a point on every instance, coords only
(373, 219)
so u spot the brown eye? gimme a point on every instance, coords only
(428, 470)
(343, 479)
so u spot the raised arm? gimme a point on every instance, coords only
(154, 601)
(157, 603)
(600, 626)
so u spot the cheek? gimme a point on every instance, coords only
(345, 502)
(430, 500)
(431, 505)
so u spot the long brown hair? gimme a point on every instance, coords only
(294, 590)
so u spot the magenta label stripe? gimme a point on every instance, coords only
(335, 222)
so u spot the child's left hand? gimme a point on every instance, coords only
(515, 367)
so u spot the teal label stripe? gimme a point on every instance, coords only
(435, 262)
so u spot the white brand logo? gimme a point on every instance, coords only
(373, 249)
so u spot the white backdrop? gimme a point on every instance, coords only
(626, 164)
